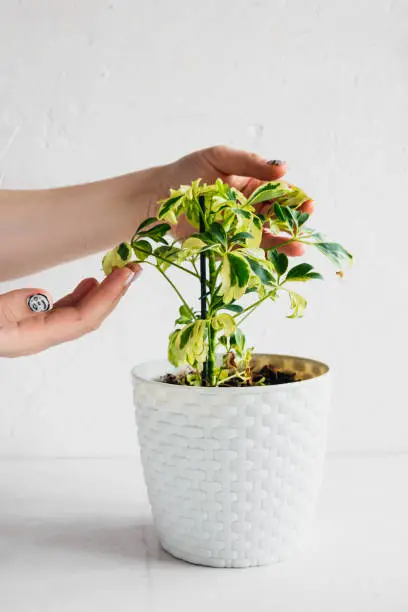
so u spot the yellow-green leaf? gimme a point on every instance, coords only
(193, 244)
(142, 249)
(269, 191)
(297, 304)
(224, 322)
(235, 273)
(118, 257)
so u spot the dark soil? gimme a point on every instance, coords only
(268, 375)
(273, 376)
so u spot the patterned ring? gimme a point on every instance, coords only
(38, 302)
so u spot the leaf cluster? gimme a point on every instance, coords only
(238, 265)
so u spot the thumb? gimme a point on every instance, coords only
(18, 305)
(243, 163)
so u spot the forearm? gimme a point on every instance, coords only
(40, 229)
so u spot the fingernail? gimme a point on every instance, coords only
(38, 302)
(129, 279)
(275, 162)
(134, 274)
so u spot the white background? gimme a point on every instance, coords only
(98, 88)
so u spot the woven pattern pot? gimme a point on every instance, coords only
(233, 474)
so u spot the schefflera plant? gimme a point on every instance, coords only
(226, 257)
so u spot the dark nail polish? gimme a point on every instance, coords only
(275, 162)
(38, 302)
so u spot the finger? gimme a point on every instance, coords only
(272, 241)
(89, 311)
(84, 287)
(308, 207)
(243, 163)
(21, 304)
(67, 323)
(113, 287)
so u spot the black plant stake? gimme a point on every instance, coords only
(203, 274)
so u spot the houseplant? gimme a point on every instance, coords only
(233, 447)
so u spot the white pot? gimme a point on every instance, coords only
(233, 474)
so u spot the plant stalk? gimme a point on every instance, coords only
(211, 330)
(169, 261)
(203, 282)
(173, 285)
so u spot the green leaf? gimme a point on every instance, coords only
(334, 252)
(237, 341)
(278, 210)
(169, 253)
(168, 205)
(231, 194)
(173, 353)
(194, 243)
(235, 272)
(297, 304)
(206, 237)
(239, 270)
(200, 242)
(185, 311)
(294, 197)
(317, 236)
(193, 212)
(186, 335)
(242, 213)
(142, 249)
(224, 322)
(289, 216)
(279, 261)
(240, 238)
(299, 271)
(157, 232)
(261, 271)
(302, 272)
(255, 228)
(301, 218)
(268, 191)
(223, 340)
(146, 223)
(186, 315)
(315, 275)
(218, 232)
(233, 308)
(284, 214)
(116, 258)
(124, 251)
(264, 193)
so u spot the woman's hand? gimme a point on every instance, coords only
(240, 169)
(90, 218)
(30, 323)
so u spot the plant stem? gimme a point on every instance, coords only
(195, 268)
(173, 285)
(235, 375)
(283, 244)
(211, 330)
(250, 309)
(203, 281)
(172, 263)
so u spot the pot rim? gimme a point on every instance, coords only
(138, 376)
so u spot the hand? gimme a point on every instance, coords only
(29, 323)
(240, 169)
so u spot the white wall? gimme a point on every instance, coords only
(97, 88)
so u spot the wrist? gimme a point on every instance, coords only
(148, 187)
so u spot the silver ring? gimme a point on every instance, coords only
(38, 302)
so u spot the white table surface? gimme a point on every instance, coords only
(76, 535)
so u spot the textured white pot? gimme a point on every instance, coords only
(233, 474)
